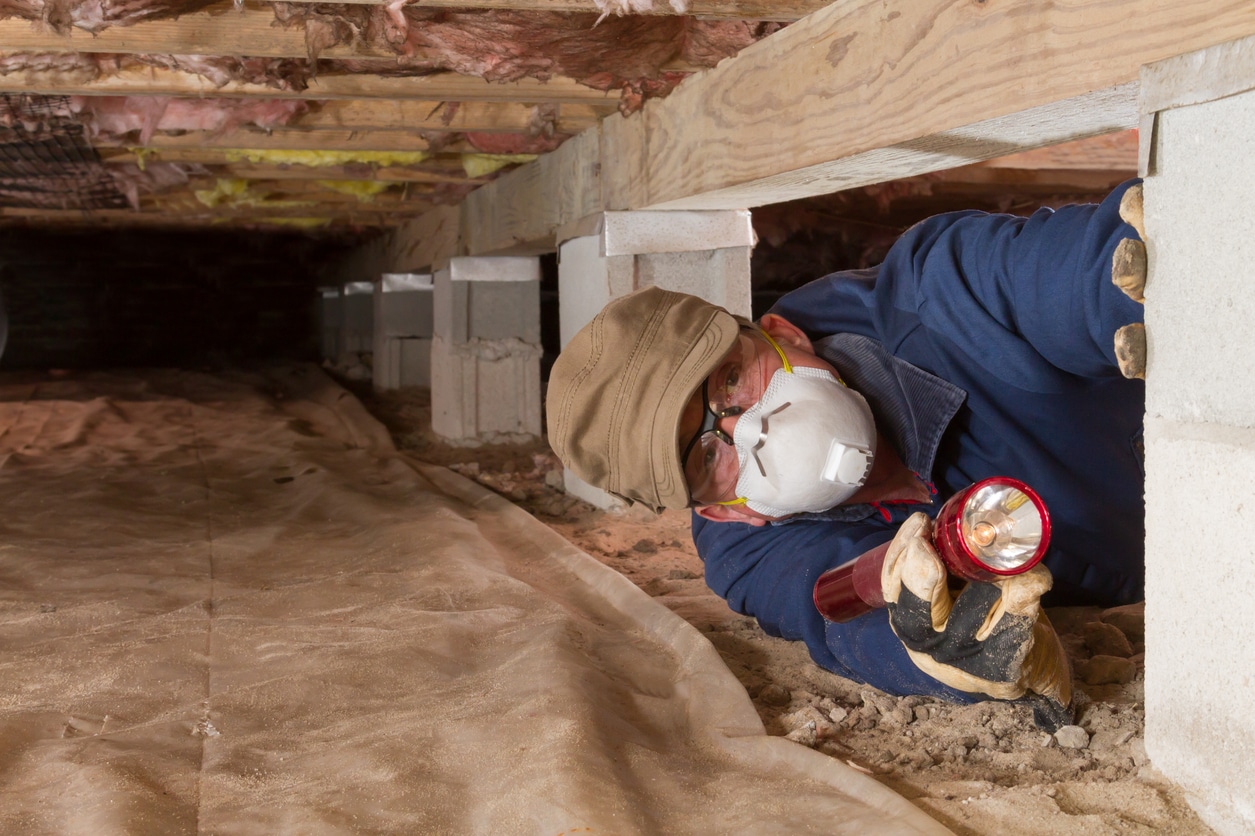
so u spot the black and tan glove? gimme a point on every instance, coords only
(1128, 272)
(990, 638)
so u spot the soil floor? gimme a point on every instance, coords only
(980, 769)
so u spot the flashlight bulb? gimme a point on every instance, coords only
(1001, 526)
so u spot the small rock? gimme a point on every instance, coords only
(837, 714)
(1108, 670)
(1103, 741)
(646, 546)
(1130, 619)
(922, 712)
(902, 715)
(1137, 751)
(806, 735)
(680, 575)
(774, 694)
(1072, 737)
(554, 479)
(806, 725)
(1104, 639)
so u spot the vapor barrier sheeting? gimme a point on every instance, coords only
(229, 606)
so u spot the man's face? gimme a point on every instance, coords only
(711, 467)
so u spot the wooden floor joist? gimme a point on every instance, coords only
(488, 117)
(252, 32)
(853, 95)
(155, 81)
(299, 140)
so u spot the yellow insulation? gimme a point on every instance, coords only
(477, 165)
(363, 190)
(231, 192)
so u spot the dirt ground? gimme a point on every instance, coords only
(980, 769)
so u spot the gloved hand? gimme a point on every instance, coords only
(1128, 272)
(992, 638)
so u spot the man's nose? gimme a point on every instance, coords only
(727, 424)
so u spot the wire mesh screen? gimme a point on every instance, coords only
(46, 161)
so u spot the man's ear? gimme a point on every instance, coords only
(785, 332)
(727, 513)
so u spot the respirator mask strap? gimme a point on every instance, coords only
(788, 368)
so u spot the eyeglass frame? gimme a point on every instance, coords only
(711, 419)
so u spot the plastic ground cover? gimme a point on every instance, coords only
(229, 606)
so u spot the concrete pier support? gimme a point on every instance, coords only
(1198, 140)
(330, 321)
(612, 254)
(403, 330)
(357, 324)
(485, 351)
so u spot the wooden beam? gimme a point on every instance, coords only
(296, 140)
(781, 10)
(854, 95)
(423, 243)
(250, 32)
(352, 173)
(1113, 152)
(489, 117)
(138, 81)
(521, 211)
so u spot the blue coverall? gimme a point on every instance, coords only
(984, 345)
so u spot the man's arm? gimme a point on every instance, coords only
(1025, 296)
(770, 573)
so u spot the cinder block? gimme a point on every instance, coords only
(587, 281)
(450, 307)
(330, 321)
(401, 362)
(358, 309)
(414, 361)
(634, 233)
(1202, 247)
(720, 276)
(1200, 445)
(403, 305)
(504, 310)
(469, 306)
(1200, 615)
(485, 391)
(596, 497)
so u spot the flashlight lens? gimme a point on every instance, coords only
(1001, 526)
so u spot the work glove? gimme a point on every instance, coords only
(1128, 272)
(990, 638)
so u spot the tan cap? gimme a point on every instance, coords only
(616, 393)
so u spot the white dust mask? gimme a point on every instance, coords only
(807, 445)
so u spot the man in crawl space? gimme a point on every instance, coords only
(985, 345)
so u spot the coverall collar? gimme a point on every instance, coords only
(912, 408)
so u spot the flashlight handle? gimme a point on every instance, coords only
(853, 588)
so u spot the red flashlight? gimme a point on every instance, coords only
(994, 528)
